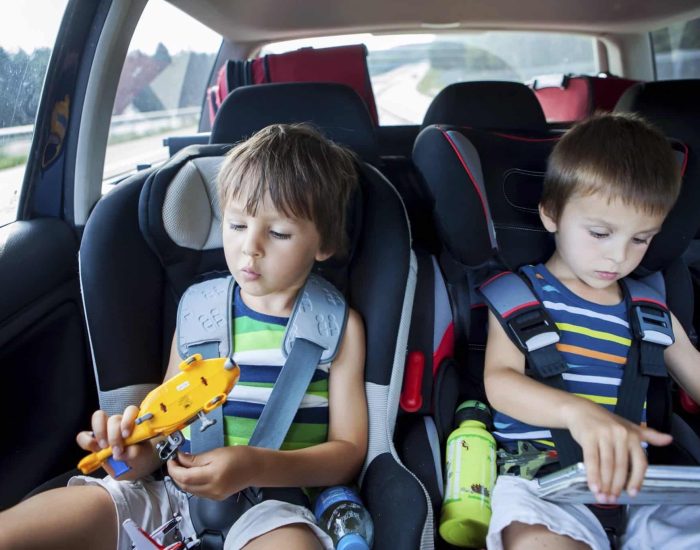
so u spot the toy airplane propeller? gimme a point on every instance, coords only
(201, 386)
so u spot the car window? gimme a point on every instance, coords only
(677, 50)
(407, 71)
(28, 30)
(160, 90)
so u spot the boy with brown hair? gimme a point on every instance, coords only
(610, 182)
(283, 195)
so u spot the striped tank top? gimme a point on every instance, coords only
(257, 345)
(594, 341)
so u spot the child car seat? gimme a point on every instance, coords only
(673, 107)
(486, 187)
(134, 268)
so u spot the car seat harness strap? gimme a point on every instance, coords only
(313, 335)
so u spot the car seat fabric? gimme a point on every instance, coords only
(179, 226)
(487, 104)
(568, 98)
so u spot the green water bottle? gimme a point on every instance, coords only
(470, 477)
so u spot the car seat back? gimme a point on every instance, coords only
(487, 104)
(179, 240)
(567, 98)
(341, 64)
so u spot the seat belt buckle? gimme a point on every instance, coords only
(653, 324)
(533, 329)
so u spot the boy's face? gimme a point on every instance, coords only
(599, 240)
(269, 254)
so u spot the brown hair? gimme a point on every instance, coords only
(306, 175)
(619, 154)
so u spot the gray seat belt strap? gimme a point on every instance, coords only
(281, 407)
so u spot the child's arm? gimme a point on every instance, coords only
(683, 361)
(112, 430)
(611, 445)
(222, 472)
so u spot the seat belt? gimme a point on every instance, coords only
(532, 330)
(313, 335)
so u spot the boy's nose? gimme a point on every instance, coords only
(617, 253)
(252, 246)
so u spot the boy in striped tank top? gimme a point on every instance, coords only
(283, 196)
(610, 182)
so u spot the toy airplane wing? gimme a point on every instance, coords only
(199, 387)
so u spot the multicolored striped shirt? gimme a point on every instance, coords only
(257, 345)
(594, 340)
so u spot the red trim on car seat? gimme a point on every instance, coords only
(651, 301)
(471, 176)
(523, 138)
(411, 394)
(685, 159)
(518, 308)
(496, 276)
(445, 348)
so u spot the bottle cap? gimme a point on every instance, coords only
(352, 541)
(473, 410)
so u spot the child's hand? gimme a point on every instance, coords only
(111, 431)
(612, 450)
(215, 474)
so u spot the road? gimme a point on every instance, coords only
(120, 159)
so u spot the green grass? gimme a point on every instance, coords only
(8, 161)
(430, 84)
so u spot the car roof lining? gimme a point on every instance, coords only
(273, 20)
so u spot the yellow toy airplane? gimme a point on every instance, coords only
(202, 386)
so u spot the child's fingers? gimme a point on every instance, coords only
(655, 437)
(114, 435)
(607, 465)
(592, 461)
(621, 470)
(128, 419)
(87, 441)
(638, 467)
(99, 428)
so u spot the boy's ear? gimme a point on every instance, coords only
(548, 222)
(322, 256)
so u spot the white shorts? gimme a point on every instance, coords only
(648, 527)
(151, 503)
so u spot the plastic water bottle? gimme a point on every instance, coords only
(340, 513)
(470, 477)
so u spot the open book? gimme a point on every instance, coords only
(662, 485)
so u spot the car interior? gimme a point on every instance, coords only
(92, 267)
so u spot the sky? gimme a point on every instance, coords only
(29, 24)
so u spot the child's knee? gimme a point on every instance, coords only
(296, 535)
(521, 536)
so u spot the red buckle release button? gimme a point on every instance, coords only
(411, 393)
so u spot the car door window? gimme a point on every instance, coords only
(160, 90)
(677, 50)
(28, 30)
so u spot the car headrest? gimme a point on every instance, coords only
(490, 105)
(486, 188)
(673, 107)
(335, 109)
(180, 217)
